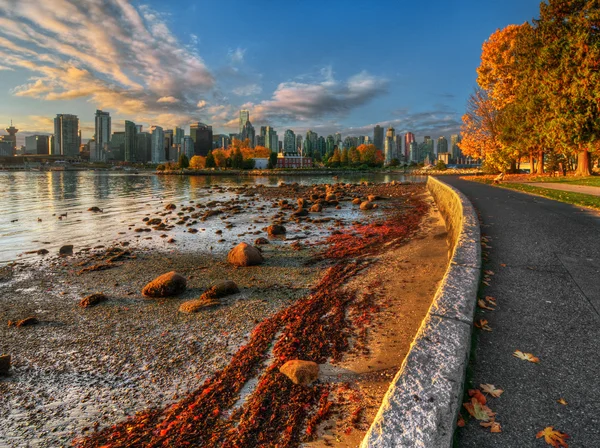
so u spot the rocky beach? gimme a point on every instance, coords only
(345, 272)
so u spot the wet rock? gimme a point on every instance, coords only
(300, 212)
(193, 306)
(66, 250)
(275, 230)
(316, 208)
(302, 202)
(154, 222)
(4, 364)
(92, 300)
(356, 201)
(372, 198)
(260, 241)
(300, 372)
(331, 197)
(95, 209)
(244, 255)
(166, 285)
(170, 207)
(366, 205)
(42, 251)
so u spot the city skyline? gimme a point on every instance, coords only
(177, 75)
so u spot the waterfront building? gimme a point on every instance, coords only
(66, 135)
(202, 136)
(187, 146)
(321, 145)
(130, 142)
(455, 149)
(413, 151)
(12, 136)
(157, 144)
(244, 118)
(259, 140)
(6, 148)
(298, 143)
(378, 137)
(102, 129)
(116, 148)
(144, 146)
(442, 145)
(294, 161)
(330, 144)
(338, 139)
(37, 144)
(310, 143)
(409, 138)
(399, 153)
(271, 139)
(248, 133)
(390, 145)
(289, 142)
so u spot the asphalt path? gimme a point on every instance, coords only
(545, 256)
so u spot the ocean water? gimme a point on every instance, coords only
(50, 209)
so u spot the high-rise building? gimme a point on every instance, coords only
(271, 139)
(6, 148)
(390, 145)
(66, 135)
(202, 136)
(321, 146)
(399, 154)
(102, 134)
(12, 136)
(289, 142)
(298, 143)
(144, 146)
(157, 144)
(378, 137)
(37, 144)
(329, 144)
(338, 139)
(131, 142)
(428, 141)
(409, 137)
(454, 141)
(169, 136)
(442, 145)
(244, 117)
(249, 133)
(178, 136)
(187, 146)
(413, 151)
(116, 148)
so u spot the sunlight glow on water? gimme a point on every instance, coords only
(125, 199)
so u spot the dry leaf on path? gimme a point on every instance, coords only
(476, 393)
(553, 437)
(461, 421)
(493, 425)
(491, 300)
(562, 401)
(483, 305)
(482, 324)
(478, 410)
(525, 356)
(491, 389)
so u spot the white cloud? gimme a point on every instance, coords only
(167, 99)
(201, 104)
(248, 90)
(237, 55)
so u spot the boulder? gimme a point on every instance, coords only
(302, 202)
(331, 197)
(372, 198)
(42, 251)
(170, 207)
(356, 201)
(300, 212)
(193, 306)
(276, 229)
(92, 300)
(260, 241)
(316, 208)
(222, 289)
(95, 209)
(300, 372)
(66, 250)
(4, 364)
(366, 205)
(166, 285)
(244, 255)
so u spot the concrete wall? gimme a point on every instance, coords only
(421, 406)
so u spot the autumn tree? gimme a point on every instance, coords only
(210, 160)
(237, 159)
(354, 156)
(197, 162)
(220, 156)
(344, 158)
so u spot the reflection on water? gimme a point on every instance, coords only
(32, 202)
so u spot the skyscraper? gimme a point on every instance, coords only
(131, 142)
(102, 133)
(390, 145)
(378, 137)
(187, 147)
(37, 144)
(157, 144)
(244, 117)
(202, 136)
(298, 143)
(409, 137)
(454, 141)
(248, 133)
(144, 146)
(289, 142)
(442, 145)
(66, 135)
(271, 139)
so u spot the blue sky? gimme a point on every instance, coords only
(323, 65)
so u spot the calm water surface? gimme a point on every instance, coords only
(31, 203)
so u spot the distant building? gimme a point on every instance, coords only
(271, 139)
(131, 142)
(37, 144)
(338, 139)
(202, 135)
(455, 150)
(144, 146)
(409, 138)
(12, 136)
(117, 147)
(442, 145)
(378, 137)
(248, 133)
(169, 155)
(329, 144)
(390, 145)
(187, 146)
(298, 143)
(178, 136)
(289, 142)
(399, 153)
(6, 148)
(66, 135)
(295, 161)
(413, 152)
(244, 118)
(157, 144)
(102, 134)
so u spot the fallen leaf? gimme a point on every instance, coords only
(461, 421)
(482, 324)
(503, 265)
(493, 425)
(491, 389)
(485, 283)
(553, 437)
(491, 299)
(483, 305)
(478, 410)
(562, 401)
(476, 393)
(489, 272)
(525, 356)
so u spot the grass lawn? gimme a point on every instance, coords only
(584, 200)
(591, 181)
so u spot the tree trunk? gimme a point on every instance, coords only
(531, 164)
(540, 162)
(584, 163)
(513, 166)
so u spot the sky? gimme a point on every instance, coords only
(328, 66)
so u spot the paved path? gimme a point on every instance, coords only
(586, 189)
(546, 259)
